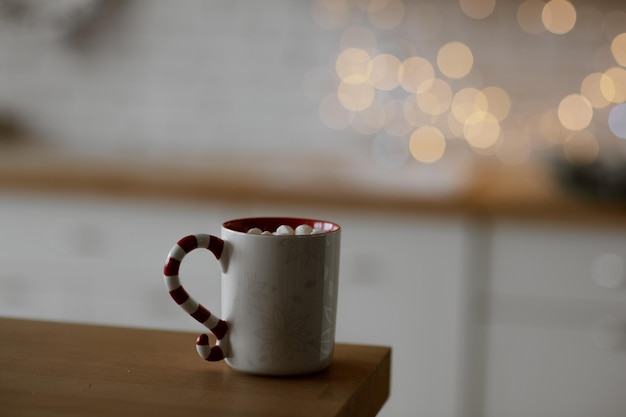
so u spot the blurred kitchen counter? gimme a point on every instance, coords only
(485, 189)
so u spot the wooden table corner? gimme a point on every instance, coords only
(64, 369)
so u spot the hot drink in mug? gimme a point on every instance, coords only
(279, 293)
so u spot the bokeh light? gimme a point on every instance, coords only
(435, 99)
(551, 129)
(529, 16)
(455, 126)
(427, 144)
(356, 97)
(558, 16)
(468, 101)
(353, 65)
(618, 49)
(413, 114)
(414, 73)
(591, 89)
(477, 9)
(613, 85)
(393, 87)
(617, 120)
(455, 60)
(383, 72)
(498, 102)
(481, 130)
(575, 112)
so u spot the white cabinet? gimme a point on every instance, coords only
(400, 287)
(556, 327)
(100, 261)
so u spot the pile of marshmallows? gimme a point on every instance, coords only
(285, 230)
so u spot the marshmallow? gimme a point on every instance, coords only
(304, 229)
(284, 230)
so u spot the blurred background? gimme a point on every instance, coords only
(484, 141)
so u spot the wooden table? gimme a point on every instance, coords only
(60, 369)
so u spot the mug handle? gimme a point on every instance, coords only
(216, 325)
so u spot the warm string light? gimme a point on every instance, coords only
(558, 16)
(436, 108)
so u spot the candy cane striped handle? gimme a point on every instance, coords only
(172, 280)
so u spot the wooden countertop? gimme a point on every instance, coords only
(527, 192)
(59, 369)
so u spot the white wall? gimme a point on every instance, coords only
(153, 76)
(162, 75)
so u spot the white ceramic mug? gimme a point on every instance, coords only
(279, 295)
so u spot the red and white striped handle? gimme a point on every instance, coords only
(172, 280)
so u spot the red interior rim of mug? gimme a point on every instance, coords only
(272, 223)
